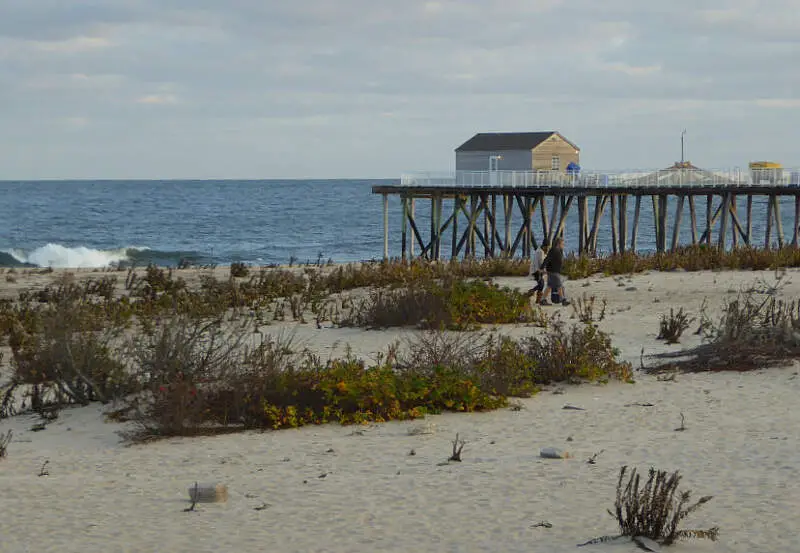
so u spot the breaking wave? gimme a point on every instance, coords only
(59, 256)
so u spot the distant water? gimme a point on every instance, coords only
(99, 223)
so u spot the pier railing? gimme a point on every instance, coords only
(666, 178)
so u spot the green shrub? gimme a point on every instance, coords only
(452, 303)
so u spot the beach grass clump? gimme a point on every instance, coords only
(584, 309)
(452, 303)
(672, 326)
(753, 331)
(655, 509)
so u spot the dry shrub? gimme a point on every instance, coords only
(656, 509)
(584, 309)
(752, 332)
(673, 326)
(175, 363)
(64, 352)
(452, 303)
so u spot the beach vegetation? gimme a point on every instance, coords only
(452, 303)
(687, 258)
(584, 309)
(753, 331)
(654, 509)
(672, 326)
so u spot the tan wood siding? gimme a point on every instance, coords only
(554, 146)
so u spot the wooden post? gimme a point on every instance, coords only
(637, 208)
(386, 227)
(404, 236)
(439, 229)
(796, 219)
(545, 225)
(486, 249)
(526, 250)
(676, 227)
(534, 243)
(656, 219)
(693, 217)
(623, 222)
(509, 208)
(456, 210)
(553, 225)
(566, 203)
(614, 242)
(411, 217)
(599, 208)
(662, 212)
(723, 226)
(494, 222)
(709, 222)
(473, 201)
(434, 229)
(581, 224)
(734, 217)
(768, 230)
(778, 219)
(749, 231)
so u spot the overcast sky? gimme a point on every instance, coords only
(375, 88)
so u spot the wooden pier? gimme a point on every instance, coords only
(509, 215)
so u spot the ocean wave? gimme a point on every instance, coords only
(60, 256)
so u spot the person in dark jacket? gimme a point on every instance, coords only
(553, 264)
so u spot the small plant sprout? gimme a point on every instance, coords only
(682, 427)
(672, 326)
(458, 446)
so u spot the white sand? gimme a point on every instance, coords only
(740, 445)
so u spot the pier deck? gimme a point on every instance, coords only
(470, 202)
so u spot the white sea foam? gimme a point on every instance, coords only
(58, 256)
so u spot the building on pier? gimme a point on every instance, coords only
(517, 151)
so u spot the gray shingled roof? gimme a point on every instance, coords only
(494, 141)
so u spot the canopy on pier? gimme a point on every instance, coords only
(679, 173)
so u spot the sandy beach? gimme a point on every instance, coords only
(357, 488)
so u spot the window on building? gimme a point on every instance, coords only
(555, 164)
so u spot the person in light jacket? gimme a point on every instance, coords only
(537, 272)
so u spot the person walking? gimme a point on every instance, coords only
(537, 272)
(553, 264)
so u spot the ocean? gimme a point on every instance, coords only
(103, 223)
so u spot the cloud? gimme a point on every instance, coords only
(779, 103)
(157, 99)
(356, 87)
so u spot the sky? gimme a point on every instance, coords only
(377, 88)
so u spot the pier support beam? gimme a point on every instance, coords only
(636, 210)
(385, 227)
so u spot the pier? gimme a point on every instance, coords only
(509, 213)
